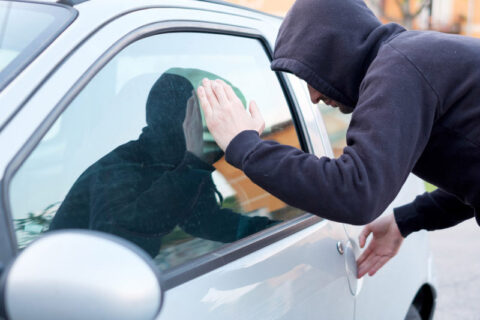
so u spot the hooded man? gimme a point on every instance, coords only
(415, 103)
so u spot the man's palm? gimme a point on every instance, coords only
(385, 244)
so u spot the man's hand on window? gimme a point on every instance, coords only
(224, 112)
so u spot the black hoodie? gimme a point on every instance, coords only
(416, 108)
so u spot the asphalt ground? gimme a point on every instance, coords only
(457, 262)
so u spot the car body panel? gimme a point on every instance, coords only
(392, 287)
(271, 283)
(287, 279)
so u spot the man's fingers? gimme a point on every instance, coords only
(211, 97)
(219, 91)
(257, 116)
(228, 90)
(381, 262)
(364, 235)
(367, 265)
(365, 254)
(204, 103)
(361, 272)
(360, 269)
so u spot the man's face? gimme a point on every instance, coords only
(316, 96)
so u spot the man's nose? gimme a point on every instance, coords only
(315, 97)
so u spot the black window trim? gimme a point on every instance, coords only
(7, 248)
(200, 265)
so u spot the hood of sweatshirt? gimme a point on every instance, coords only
(330, 44)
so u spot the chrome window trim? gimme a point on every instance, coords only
(212, 260)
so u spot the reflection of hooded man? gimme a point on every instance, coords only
(143, 189)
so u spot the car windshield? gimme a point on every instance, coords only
(25, 30)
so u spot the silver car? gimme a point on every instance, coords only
(116, 203)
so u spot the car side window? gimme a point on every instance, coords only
(132, 156)
(336, 124)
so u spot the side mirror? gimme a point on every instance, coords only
(81, 274)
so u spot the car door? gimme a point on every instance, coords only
(395, 285)
(117, 144)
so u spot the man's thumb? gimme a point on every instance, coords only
(363, 236)
(257, 116)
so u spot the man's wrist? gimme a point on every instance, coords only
(407, 219)
(240, 147)
(396, 227)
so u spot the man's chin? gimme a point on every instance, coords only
(345, 110)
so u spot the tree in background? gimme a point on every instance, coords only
(401, 11)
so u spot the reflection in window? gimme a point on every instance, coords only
(132, 156)
(336, 124)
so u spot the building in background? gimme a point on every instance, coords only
(452, 16)
(276, 7)
(461, 15)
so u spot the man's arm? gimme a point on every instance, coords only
(207, 220)
(389, 130)
(432, 211)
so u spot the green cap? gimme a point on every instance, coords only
(195, 76)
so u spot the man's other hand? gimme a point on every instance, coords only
(384, 245)
(224, 112)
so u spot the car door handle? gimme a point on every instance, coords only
(340, 248)
(351, 252)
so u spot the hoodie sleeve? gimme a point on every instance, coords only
(207, 220)
(121, 205)
(390, 127)
(432, 211)
(184, 196)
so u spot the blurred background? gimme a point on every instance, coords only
(452, 16)
(456, 250)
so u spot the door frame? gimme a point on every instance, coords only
(213, 260)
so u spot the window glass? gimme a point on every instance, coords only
(24, 29)
(132, 156)
(336, 124)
